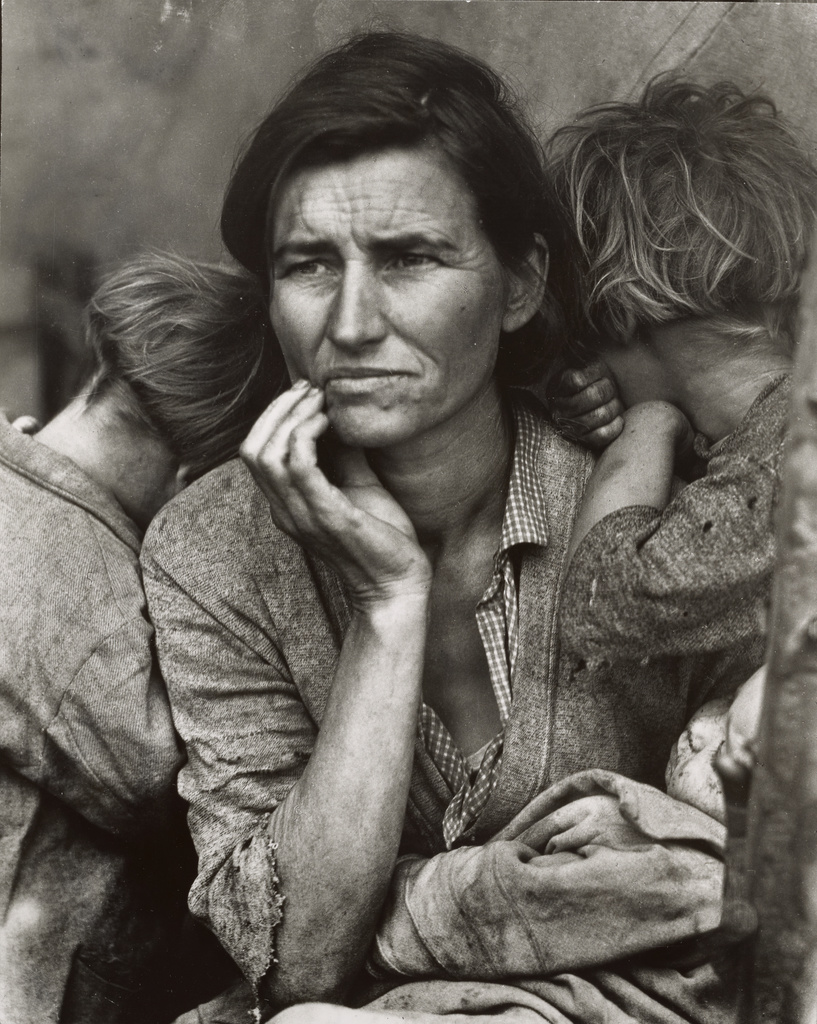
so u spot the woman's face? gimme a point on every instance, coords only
(386, 293)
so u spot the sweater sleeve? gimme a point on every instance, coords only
(246, 731)
(92, 726)
(693, 579)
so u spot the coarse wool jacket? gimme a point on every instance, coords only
(249, 629)
(695, 576)
(94, 860)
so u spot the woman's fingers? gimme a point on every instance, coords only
(268, 450)
(302, 453)
(268, 447)
(356, 527)
(273, 418)
(359, 530)
(281, 453)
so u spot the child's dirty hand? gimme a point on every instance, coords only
(585, 405)
(737, 757)
(743, 721)
(27, 425)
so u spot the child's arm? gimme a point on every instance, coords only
(693, 579)
(636, 469)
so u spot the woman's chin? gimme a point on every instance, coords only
(369, 428)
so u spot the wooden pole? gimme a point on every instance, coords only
(780, 980)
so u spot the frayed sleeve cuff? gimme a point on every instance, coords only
(398, 949)
(242, 902)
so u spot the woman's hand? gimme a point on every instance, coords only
(586, 406)
(353, 524)
(591, 821)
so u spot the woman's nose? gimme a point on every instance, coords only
(356, 317)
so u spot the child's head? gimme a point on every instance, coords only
(691, 203)
(185, 351)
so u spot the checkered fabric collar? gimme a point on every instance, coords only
(525, 520)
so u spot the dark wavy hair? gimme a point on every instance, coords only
(384, 89)
(188, 352)
(692, 202)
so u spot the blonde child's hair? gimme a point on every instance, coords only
(692, 202)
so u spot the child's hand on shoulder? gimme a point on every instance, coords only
(585, 405)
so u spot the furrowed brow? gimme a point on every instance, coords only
(405, 240)
(304, 247)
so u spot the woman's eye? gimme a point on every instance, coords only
(411, 260)
(307, 268)
(301, 268)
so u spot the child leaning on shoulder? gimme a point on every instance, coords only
(693, 208)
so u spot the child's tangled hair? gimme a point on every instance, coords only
(188, 352)
(691, 202)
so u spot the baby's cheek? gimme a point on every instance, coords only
(691, 776)
(695, 782)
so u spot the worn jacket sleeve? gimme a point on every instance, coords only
(105, 745)
(246, 731)
(595, 870)
(695, 578)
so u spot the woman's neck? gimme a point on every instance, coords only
(451, 483)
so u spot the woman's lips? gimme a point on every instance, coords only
(358, 381)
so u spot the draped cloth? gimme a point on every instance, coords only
(598, 904)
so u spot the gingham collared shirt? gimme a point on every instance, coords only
(497, 616)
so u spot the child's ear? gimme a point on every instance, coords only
(526, 287)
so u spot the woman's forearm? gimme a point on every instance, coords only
(338, 831)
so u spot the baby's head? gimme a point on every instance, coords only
(694, 204)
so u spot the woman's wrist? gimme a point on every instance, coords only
(393, 602)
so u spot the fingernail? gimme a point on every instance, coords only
(300, 385)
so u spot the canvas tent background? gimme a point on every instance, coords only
(120, 120)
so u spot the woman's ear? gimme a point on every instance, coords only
(526, 287)
(184, 475)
